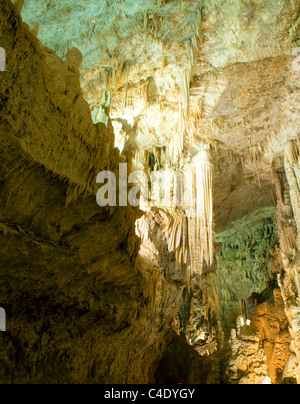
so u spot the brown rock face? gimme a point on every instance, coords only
(80, 307)
(272, 323)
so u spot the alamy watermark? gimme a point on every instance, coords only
(2, 319)
(167, 188)
(2, 60)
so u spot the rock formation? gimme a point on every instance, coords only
(201, 98)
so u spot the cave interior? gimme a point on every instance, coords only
(149, 192)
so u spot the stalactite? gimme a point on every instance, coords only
(186, 89)
(102, 114)
(271, 144)
(142, 228)
(292, 170)
(145, 95)
(204, 171)
(292, 152)
(254, 158)
(126, 88)
(191, 236)
(190, 230)
(184, 241)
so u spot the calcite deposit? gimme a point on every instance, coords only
(201, 282)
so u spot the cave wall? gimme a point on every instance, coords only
(241, 289)
(80, 305)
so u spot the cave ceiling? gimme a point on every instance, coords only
(184, 72)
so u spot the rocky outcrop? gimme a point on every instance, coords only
(81, 306)
(247, 364)
(260, 350)
(272, 323)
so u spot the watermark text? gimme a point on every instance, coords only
(2, 319)
(168, 188)
(2, 60)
